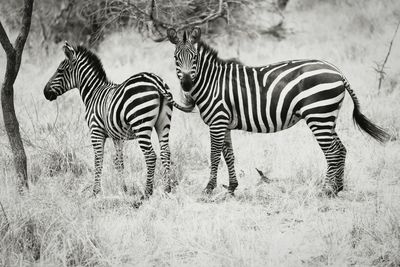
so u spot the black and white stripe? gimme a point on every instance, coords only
(125, 111)
(267, 99)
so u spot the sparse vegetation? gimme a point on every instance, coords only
(280, 223)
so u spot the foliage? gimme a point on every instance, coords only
(88, 21)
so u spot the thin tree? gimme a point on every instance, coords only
(14, 54)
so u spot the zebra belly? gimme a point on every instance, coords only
(129, 130)
(255, 126)
(124, 134)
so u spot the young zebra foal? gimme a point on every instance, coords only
(125, 111)
(232, 96)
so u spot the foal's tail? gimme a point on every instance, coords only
(188, 107)
(363, 122)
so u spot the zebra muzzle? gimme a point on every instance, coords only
(186, 82)
(49, 94)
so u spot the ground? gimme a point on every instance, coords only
(281, 223)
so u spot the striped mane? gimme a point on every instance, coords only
(214, 54)
(94, 61)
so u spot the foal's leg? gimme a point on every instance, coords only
(162, 127)
(98, 140)
(119, 161)
(150, 157)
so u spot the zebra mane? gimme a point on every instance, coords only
(93, 59)
(214, 54)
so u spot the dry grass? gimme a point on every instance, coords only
(283, 223)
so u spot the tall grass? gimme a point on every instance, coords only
(282, 223)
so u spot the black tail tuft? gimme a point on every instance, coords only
(369, 127)
(362, 122)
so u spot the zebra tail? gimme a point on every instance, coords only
(167, 94)
(186, 109)
(362, 122)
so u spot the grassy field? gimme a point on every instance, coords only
(283, 223)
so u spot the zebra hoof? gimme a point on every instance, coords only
(125, 188)
(168, 188)
(144, 197)
(231, 191)
(207, 191)
(96, 191)
(328, 191)
(147, 194)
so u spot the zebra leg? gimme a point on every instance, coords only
(166, 162)
(150, 158)
(98, 146)
(119, 161)
(335, 154)
(227, 151)
(336, 157)
(162, 128)
(217, 135)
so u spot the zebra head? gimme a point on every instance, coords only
(186, 56)
(62, 80)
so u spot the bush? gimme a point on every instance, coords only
(88, 21)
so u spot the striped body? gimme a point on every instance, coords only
(272, 98)
(125, 111)
(232, 96)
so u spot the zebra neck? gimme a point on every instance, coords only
(209, 71)
(89, 84)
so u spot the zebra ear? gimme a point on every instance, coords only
(172, 36)
(69, 51)
(70, 54)
(195, 35)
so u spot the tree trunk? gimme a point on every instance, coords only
(7, 92)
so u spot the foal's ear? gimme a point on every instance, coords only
(69, 52)
(195, 35)
(172, 36)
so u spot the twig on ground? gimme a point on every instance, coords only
(264, 178)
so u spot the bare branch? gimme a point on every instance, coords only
(380, 68)
(263, 178)
(219, 13)
(7, 224)
(5, 42)
(23, 35)
(10, 52)
(148, 19)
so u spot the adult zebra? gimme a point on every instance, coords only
(123, 111)
(267, 99)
